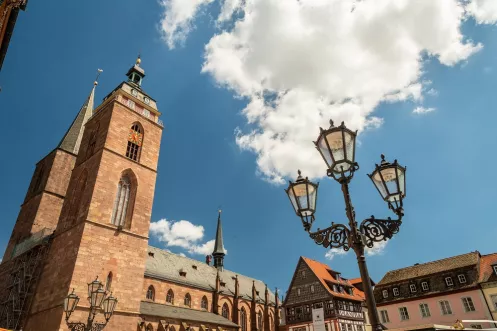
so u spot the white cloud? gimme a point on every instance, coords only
(301, 62)
(377, 249)
(423, 110)
(484, 11)
(432, 92)
(183, 234)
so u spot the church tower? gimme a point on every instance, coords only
(41, 208)
(218, 253)
(9, 9)
(104, 222)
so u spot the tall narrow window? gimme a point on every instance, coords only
(108, 282)
(151, 293)
(188, 300)
(225, 311)
(243, 319)
(425, 286)
(150, 327)
(384, 316)
(259, 321)
(170, 296)
(135, 139)
(123, 205)
(404, 314)
(204, 303)
(425, 310)
(445, 307)
(468, 304)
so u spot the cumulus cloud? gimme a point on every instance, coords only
(183, 234)
(377, 249)
(422, 110)
(484, 11)
(299, 63)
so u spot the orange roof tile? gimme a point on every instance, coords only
(322, 272)
(486, 270)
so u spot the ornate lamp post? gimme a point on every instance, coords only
(337, 147)
(98, 299)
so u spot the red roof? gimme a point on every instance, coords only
(324, 274)
(486, 270)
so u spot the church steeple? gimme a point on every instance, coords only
(219, 253)
(72, 139)
(136, 74)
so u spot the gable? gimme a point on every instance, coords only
(305, 286)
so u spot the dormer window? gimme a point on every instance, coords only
(182, 273)
(461, 278)
(256, 292)
(396, 292)
(424, 286)
(151, 254)
(412, 287)
(223, 284)
(385, 293)
(448, 281)
(194, 267)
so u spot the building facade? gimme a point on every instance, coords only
(488, 282)
(438, 292)
(87, 213)
(9, 10)
(314, 285)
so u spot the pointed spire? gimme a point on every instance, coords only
(72, 139)
(219, 252)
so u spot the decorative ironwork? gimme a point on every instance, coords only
(78, 326)
(376, 230)
(336, 236)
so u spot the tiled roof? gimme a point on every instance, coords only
(486, 270)
(183, 314)
(430, 268)
(322, 272)
(166, 265)
(355, 280)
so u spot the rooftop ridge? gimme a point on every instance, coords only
(432, 262)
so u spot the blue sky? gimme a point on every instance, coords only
(449, 152)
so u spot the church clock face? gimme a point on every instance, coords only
(147, 100)
(134, 92)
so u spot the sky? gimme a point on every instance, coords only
(243, 87)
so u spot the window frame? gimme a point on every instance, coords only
(404, 317)
(170, 297)
(384, 294)
(204, 303)
(396, 292)
(423, 286)
(151, 291)
(187, 301)
(225, 309)
(442, 307)
(463, 277)
(411, 287)
(384, 316)
(470, 304)
(447, 279)
(425, 310)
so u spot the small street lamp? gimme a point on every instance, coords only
(98, 300)
(337, 147)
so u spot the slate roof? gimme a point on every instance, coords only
(218, 245)
(166, 265)
(324, 274)
(486, 270)
(72, 139)
(430, 268)
(183, 314)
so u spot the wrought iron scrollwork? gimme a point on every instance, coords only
(335, 236)
(376, 230)
(79, 326)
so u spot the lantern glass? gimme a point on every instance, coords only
(93, 286)
(109, 305)
(70, 304)
(337, 147)
(96, 298)
(389, 179)
(303, 195)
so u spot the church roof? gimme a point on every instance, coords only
(325, 276)
(72, 139)
(183, 314)
(166, 265)
(433, 267)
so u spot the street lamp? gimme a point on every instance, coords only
(98, 299)
(337, 147)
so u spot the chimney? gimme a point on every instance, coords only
(208, 260)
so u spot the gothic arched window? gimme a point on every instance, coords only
(108, 283)
(204, 303)
(225, 311)
(259, 321)
(151, 293)
(150, 327)
(123, 205)
(135, 140)
(170, 296)
(188, 300)
(243, 319)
